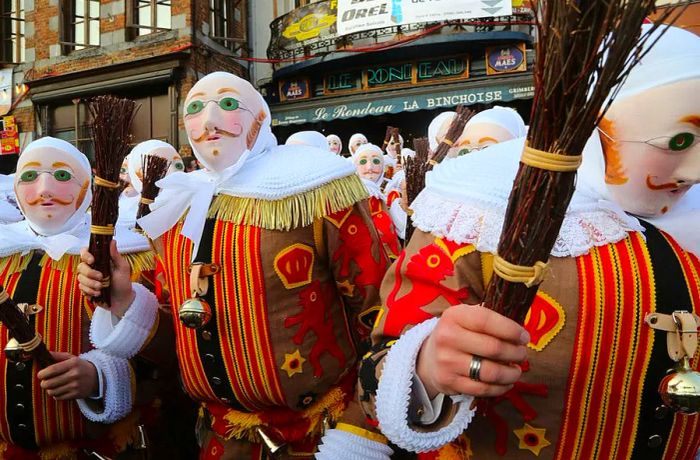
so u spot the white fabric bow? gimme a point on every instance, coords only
(182, 191)
(20, 238)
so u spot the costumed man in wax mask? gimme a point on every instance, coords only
(273, 265)
(369, 161)
(392, 158)
(335, 145)
(131, 196)
(581, 379)
(356, 140)
(70, 408)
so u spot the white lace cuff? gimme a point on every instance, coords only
(340, 444)
(126, 338)
(118, 399)
(394, 397)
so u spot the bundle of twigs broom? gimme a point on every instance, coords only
(154, 169)
(453, 133)
(585, 50)
(111, 124)
(19, 328)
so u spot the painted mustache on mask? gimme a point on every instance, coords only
(55, 200)
(218, 131)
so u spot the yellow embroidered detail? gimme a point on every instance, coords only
(339, 220)
(141, 261)
(368, 318)
(67, 262)
(293, 363)
(241, 425)
(346, 288)
(295, 211)
(294, 265)
(361, 432)
(486, 267)
(378, 318)
(544, 320)
(531, 438)
(459, 252)
(319, 242)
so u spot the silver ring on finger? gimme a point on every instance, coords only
(475, 368)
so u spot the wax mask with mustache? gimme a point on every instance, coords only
(369, 162)
(52, 185)
(394, 147)
(651, 143)
(223, 116)
(152, 147)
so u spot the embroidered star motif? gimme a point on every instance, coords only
(532, 439)
(346, 288)
(293, 363)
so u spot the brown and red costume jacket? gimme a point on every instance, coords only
(589, 387)
(291, 312)
(34, 425)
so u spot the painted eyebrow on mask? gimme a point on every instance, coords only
(484, 139)
(60, 164)
(227, 90)
(32, 164)
(692, 119)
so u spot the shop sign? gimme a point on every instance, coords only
(385, 76)
(361, 15)
(506, 59)
(284, 116)
(9, 138)
(293, 90)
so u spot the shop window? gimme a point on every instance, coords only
(224, 14)
(148, 16)
(71, 122)
(12, 28)
(80, 24)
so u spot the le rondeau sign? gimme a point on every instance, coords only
(360, 15)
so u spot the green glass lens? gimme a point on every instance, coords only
(681, 141)
(195, 107)
(62, 175)
(229, 103)
(29, 176)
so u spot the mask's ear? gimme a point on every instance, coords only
(614, 169)
(255, 129)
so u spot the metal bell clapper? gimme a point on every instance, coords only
(195, 312)
(680, 389)
(14, 353)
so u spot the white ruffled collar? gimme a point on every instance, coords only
(19, 238)
(465, 200)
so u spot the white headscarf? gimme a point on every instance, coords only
(505, 117)
(180, 192)
(434, 128)
(310, 138)
(135, 158)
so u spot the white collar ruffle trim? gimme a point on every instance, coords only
(19, 238)
(465, 201)
(373, 189)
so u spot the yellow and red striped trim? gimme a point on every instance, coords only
(604, 392)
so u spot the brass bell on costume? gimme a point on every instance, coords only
(680, 390)
(272, 446)
(15, 353)
(195, 312)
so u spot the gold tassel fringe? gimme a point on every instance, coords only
(68, 261)
(15, 263)
(291, 212)
(141, 262)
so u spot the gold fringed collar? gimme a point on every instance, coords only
(290, 212)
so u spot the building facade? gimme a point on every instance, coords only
(56, 54)
(399, 75)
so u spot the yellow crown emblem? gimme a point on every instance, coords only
(294, 265)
